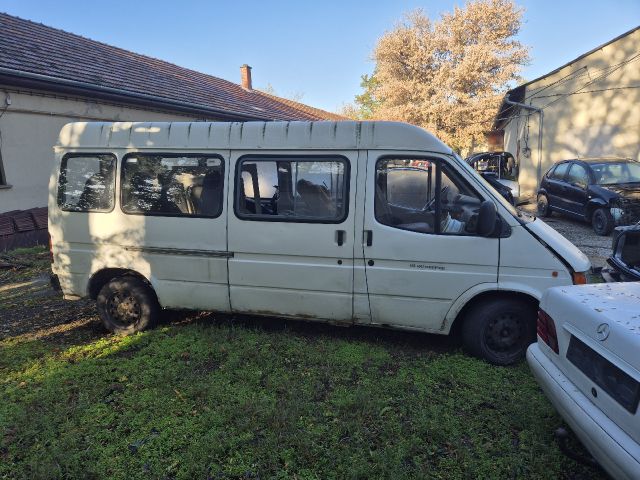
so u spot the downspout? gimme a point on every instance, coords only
(541, 113)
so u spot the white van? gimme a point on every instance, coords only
(371, 223)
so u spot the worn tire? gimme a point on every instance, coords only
(602, 221)
(499, 330)
(544, 210)
(127, 305)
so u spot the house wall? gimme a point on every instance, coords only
(590, 109)
(30, 122)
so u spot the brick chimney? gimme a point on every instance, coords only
(245, 77)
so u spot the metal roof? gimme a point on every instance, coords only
(249, 136)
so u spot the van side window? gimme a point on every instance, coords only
(172, 185)
(296, 189)
(86, 183)
(424, 196)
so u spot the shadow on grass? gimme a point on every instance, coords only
(310, 330)
(209, 397)
(77, 326)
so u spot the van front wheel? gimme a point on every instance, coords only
(499, 330)
(127, 305)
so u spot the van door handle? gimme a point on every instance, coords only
(368, 235)
(340, 234)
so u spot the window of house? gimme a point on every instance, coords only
(303, 189)
(87, 183)
(560, 171)
(172, 185)
(430, 198)
(578, 176)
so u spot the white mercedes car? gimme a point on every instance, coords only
(587, 361)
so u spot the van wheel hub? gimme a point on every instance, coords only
(124, 308)
(504, 332)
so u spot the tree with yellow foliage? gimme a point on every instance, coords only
(446, 76)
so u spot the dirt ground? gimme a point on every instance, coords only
(31, 308)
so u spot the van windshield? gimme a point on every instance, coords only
(497, 196)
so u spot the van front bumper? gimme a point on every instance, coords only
(614, 450)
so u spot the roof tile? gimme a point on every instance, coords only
(31, 47)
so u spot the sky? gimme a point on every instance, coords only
(316, 50)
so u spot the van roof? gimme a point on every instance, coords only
(248, 136)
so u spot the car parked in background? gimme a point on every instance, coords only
(604, 191)
(586, 361)
(624, 262)
(493, 180)
(500, 170)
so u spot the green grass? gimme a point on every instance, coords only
(220, 400)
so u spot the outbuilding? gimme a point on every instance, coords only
(586, 108)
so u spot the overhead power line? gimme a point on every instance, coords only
(510, 117)
(595, 80)
(590, 91)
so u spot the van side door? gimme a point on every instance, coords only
(171, 225)
(420, 248)
(291, 232)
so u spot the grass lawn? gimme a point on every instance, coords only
(216, 398)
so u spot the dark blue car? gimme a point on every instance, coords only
(602, 191)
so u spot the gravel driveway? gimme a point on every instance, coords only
(596, 247)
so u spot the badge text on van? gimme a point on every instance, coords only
(422, 266)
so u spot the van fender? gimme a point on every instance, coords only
(535, 293)
(103, 274)
(462, 300)
(481, 288)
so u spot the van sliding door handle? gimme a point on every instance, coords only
(340, 234)
(368, 237)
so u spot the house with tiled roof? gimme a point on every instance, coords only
(49, 77)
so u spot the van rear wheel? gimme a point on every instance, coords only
(127, 305)
(499, 330)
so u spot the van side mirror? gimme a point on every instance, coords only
(487, 217)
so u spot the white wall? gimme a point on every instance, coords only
(29, 128)
(594, 112)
